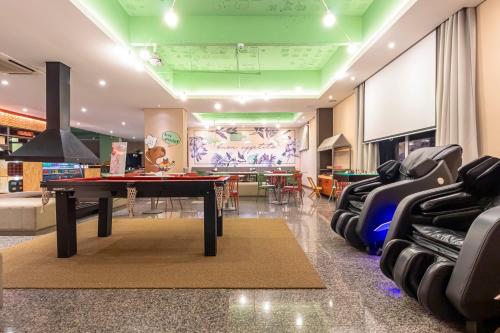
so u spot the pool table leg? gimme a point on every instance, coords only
(220, 222)
(66, 223)
(210, 223)
(105, 217)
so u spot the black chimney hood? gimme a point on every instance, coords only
(56, 143)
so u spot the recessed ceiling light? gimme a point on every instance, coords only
(351, 48)
(124, 123)
(158, 105)
(139, 66)
(171, 18)
(133, 138)
(110, 132)
(266, 96)
(183, 97)
(84, 110)
(25, 110)
(329, 19)
(353, 78)
(299, 321)
(391, 45)
(217, 106)
(242, 100)
(5, 83)
(278, 125)
(144, 54)
(330, 97)
(207, 126)
(219, 127)
(102, 83)
(78, 124)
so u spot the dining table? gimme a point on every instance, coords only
(280, 180)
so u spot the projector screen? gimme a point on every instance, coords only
(400, 98)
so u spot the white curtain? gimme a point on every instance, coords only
(367, 156)
(455, 84)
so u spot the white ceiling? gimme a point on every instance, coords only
(34, 31)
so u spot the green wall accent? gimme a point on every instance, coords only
(250, 117)
(286, 44)
(259, 30)
(111, 13)
(105, 142)
(265, 81)
(377, 13)
(245, 7)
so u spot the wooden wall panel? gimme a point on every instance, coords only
(32, 176)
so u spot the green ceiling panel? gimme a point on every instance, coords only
(286, 44)
(252, 58)
(245, 7)
(247, 118)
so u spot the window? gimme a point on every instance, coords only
(399, 148)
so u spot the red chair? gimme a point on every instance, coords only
(294, 186)
(234, 194)
(339, 187)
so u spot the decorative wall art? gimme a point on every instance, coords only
(155, 159)
(244, 147)
(118, 158)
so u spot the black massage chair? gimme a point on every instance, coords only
(365, 208)
(443, 246)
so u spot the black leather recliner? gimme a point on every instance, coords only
(365, 208)
(443, 246)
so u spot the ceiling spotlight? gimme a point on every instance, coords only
(242, 100)
(110, 132)
(5, 83)
(171, 19)
(329, 19)
(391, 45)
(351, 48)
(124, 123)
(84, 110)
(78, 124)
(353, 78)
(299, 321)
(183, 97)
(102, 83)
(277, 125)
(340, 75)
(219, 127)
(144, 54)
(133, 138)
(25, 110)
(266, 97)
(217, 106)
(139, 66)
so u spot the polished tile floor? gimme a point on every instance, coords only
(358, 297)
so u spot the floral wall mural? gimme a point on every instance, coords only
(244, 147)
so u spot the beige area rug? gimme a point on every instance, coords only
(165, 253)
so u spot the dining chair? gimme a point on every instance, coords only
(316, 190)
(264, 185)
(234, 194)
(294, 186)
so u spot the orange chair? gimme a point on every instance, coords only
(316, 190)
(234, 194)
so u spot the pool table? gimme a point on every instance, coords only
(105, 189)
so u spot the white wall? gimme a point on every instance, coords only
(308, 158)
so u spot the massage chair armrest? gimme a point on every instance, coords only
(381, 203)
(367, 187)
(343, 201)
(475, 281)
(403, 216)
